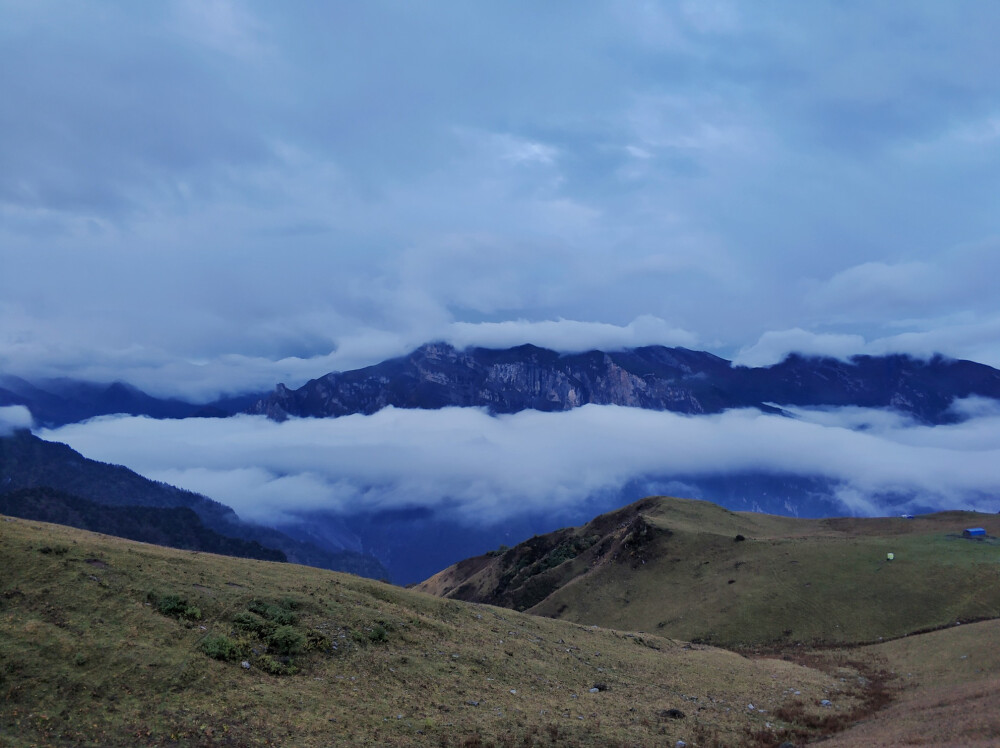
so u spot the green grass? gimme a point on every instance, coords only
(790, 581)
(100, 646)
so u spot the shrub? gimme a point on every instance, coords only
(171, 605)
(174, 606)
(220, 647)
(252, 623)
(282, 614)
(317, 641)
(273, 667)
(286, 640)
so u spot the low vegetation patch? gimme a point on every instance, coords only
(174, 605)
(268, 636)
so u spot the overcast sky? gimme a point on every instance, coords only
(202, 196)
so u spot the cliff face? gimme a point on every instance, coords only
(675, 379)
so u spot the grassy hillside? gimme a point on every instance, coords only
(692, 570)
(175, 526)
(950, 682)
(108, 642)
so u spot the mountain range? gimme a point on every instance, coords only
(438, 375)
(414, 542)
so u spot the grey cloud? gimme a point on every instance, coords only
(195, 184)
(775, 345)
(485, 469)
(967, 337)
(157, 373)
(570, 336)
(13, 418)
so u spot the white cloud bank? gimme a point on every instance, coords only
(570, 336)
(484, 468)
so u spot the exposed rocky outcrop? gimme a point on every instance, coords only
(654, 377)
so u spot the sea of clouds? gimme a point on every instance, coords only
(485, 469)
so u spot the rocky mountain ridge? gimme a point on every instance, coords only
(438, 375)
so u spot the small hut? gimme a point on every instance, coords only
(974, 532)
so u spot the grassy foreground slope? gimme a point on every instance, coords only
(693, 570)
(108, 642)
(949, 683)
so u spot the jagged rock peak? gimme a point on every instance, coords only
(437, 375)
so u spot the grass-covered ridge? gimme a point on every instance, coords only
(109, 642)
(693, 570)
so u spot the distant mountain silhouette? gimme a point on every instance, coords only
(175, 527)
(56, 402)
(654, 377)
(27, 462)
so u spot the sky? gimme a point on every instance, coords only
(205, 197)
(208, 197)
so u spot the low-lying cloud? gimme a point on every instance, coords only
(971, 338)
(13, 418)
(484, 469)
(570, 336)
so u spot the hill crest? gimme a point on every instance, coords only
(693, 570)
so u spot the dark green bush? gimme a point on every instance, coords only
(272, 666)
(280, 614)
(220, 647)
(174, 606)
(252, 623)
(287, 640)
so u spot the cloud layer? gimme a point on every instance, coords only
(214, 196)
(485, 469)
(13, 418)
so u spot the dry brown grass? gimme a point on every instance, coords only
(950, 691)
(84, 660)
